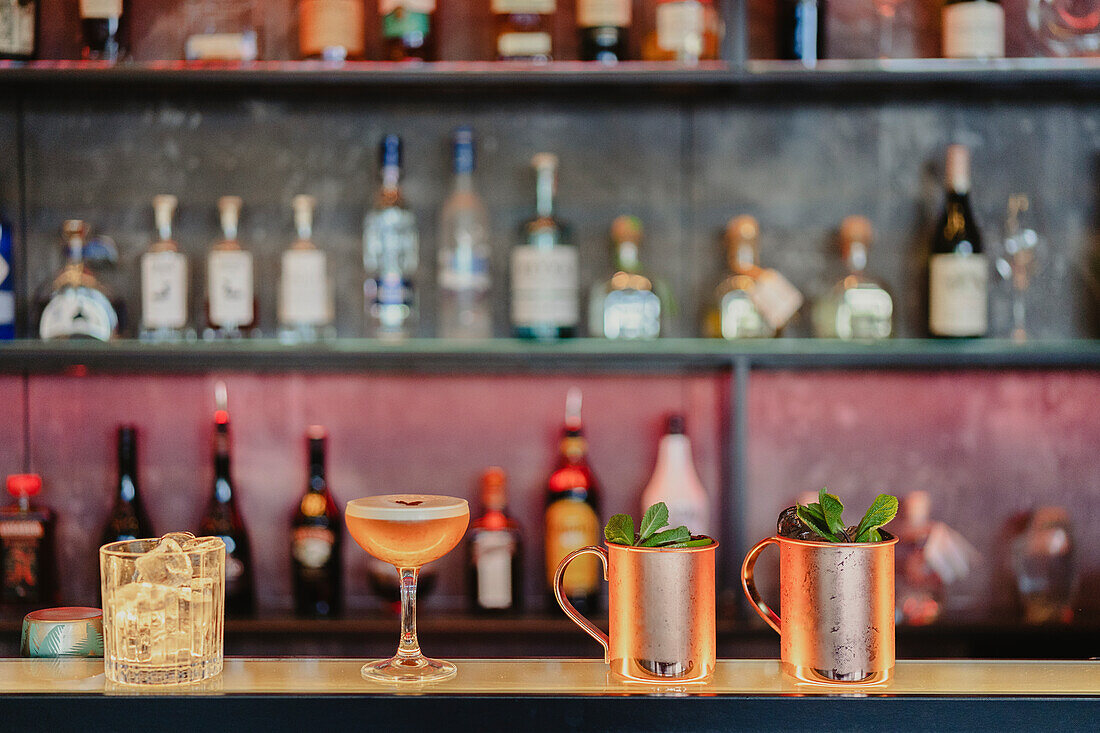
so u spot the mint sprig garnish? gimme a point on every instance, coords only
(651, 532)
(824, 518)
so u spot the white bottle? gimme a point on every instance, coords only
(305, 301)
(164, 280)
(675, 482)
(973, 29)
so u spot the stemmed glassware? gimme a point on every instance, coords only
(408, 531)
(1017, 260)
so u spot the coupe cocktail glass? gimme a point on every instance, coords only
(408, 531)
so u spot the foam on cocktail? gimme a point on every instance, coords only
(407, 507)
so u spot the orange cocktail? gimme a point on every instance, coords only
(408, 531)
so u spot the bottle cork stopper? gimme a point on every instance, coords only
(303, 206)
(74, 228)
(493, 494)
(741, 228)
(230, 208)
(164, 207)
(626, 229)
(24, 484)
(917, 506)
(957, 169)
(855, 230)
(544, 160)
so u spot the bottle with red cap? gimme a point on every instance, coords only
(494, 551)
(28, 574)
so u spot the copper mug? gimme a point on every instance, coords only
(660, 611)
(837, 601)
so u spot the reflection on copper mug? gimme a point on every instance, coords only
(660, 611)
(837, 601)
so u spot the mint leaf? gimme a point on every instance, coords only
(654, 518)
(816, 522)
(620, 530)
(679, 534)
(832, 509)
(701, 542)
(882, 510)
(816, 510)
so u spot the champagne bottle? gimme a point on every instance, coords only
(223, 519)
(958, 273)
(128, 519)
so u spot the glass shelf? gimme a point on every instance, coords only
(512, 355)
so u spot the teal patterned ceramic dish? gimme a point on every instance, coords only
(71, 631)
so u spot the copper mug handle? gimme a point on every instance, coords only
(578, 618)
(758, 604)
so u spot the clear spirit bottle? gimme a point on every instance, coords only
(230, 295)
(464, 279)
(391, 247)
(305, 299)
(626, 306)
(544, 267)
(857, 307)
(75, 304)
(164, 280)
(753, 301)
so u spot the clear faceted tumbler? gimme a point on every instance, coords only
(163, 609)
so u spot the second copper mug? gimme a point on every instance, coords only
(837, 601)
(660, 611)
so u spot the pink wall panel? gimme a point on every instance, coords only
(12, 442)
(388, 434)
(985, 445)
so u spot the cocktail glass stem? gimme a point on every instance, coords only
(409, 647)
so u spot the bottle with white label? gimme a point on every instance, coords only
(164, 280)
(524, 29)
(494, 552)
(331, 30)
(544, 267)
(958, 272)
(973, 29)
(464, 251)
(857, 307)
(685, 31)
(305, 295)
(222, 30)
(18, 21)
(230, 295)
(75, 304)
(676, 483)
(391, 253)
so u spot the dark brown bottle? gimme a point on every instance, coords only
(223, 519)
(28, 573)
(128, 519)
(494, 552)
(315, 546)
(102, 29)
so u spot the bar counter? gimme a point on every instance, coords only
(552, 694)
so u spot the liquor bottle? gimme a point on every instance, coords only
(164, 279)
(752, 302)
(223, 519)
(801, 31)
(973, 29)
(603, 26)
(544, 267)
(958, 274)
(7, 283)
(572, 514)
(494, 552)
(128, 520)
(464, 252)
(222, 30)
(857, 307)
(524, 29)
(407, 32)
(331, 30)
(101, 27)
(18, 29)
(305, 295)
(919, 592)
(626, 306)
(316, 539)
(1045, 566)
(75, 304)
(675, 482)
(391, 251)
(230, 298)
(28, 573)
(686, 31)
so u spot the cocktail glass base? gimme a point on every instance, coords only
(406, 670)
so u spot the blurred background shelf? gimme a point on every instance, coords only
(513, 355)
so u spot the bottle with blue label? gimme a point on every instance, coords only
(463, 275)
(7, 284)
(391, 246)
